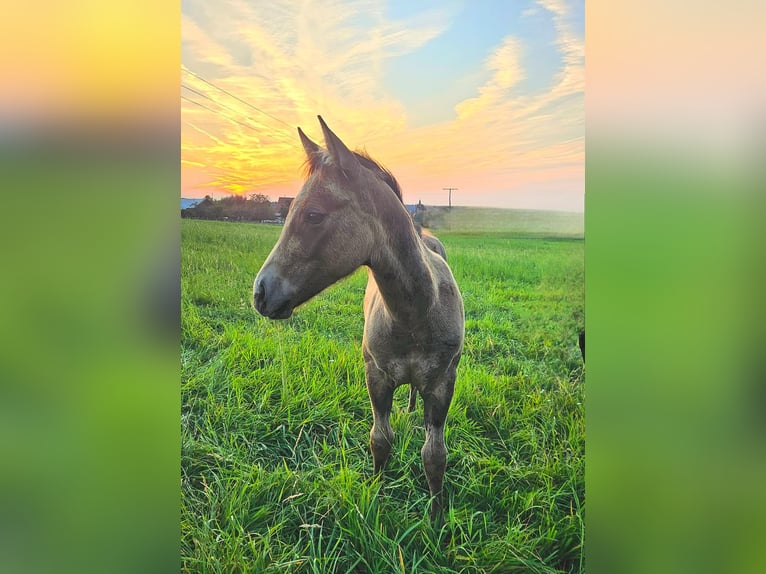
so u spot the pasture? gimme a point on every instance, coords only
(276, 467)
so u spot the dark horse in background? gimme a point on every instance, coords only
(349, 213)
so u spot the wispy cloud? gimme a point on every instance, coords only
(531, 11)
(296, 59)
(505, 66)
(506, 134)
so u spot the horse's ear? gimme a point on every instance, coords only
(341, 155)
(308, 145)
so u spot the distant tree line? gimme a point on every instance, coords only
(256, 207)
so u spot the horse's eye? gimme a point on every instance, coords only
(314, 217)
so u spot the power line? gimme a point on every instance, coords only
(211, 99)
(228, 93)
(218, 113)
(204, 95)
(279, 135)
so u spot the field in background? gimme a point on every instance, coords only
(276, 470)
(516, 222)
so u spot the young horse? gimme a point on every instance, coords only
(349, 213)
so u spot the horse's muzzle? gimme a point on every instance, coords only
(269, 300)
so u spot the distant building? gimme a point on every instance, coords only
(414, 209)
(420, 213)
(283, 206)
(187, 203)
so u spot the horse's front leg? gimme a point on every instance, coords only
(434, 451)
(381, 393)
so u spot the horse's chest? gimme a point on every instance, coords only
(405, 359)
(410, 368)
(409, 352)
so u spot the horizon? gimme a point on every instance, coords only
(409, 204)
(486, 98)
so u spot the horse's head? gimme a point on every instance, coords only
(327, 233)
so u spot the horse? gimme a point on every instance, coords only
(349, 213)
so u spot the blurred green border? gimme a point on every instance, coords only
(676, 462)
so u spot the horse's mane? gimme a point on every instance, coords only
(316, 160)
(381, 172)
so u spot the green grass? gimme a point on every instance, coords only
(515, 222)
(276, 470)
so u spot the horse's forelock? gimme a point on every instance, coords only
(314, 161)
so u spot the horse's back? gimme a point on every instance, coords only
(434, 244)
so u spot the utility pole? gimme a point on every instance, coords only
(450, 189)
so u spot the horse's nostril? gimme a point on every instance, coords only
(258, 293)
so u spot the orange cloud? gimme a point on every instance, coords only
(296, 60)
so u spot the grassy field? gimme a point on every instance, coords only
(276, 469)
(514, 222)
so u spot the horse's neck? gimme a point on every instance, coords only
(404, 277)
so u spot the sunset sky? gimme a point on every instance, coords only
(486, 96)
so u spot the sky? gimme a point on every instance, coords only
(483, 96)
